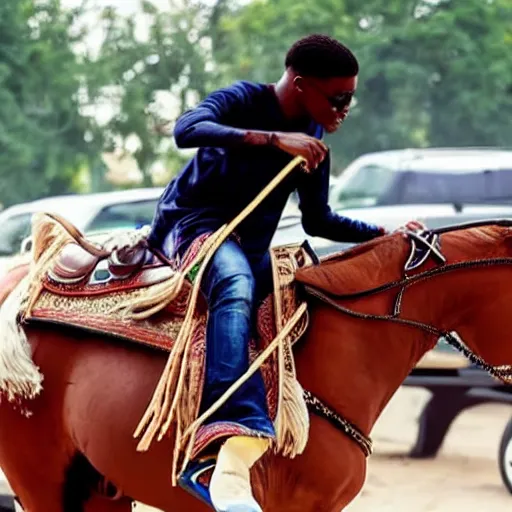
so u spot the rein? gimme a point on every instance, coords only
(503, 372)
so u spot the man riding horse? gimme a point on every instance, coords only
(245, 134)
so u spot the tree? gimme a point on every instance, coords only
(432, 72)
(42, 134)
(173, 62)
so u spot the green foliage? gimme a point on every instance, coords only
(173, 59)
(432, 73)
(41, 132)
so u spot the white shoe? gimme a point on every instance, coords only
(230, 485)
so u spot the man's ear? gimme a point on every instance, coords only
(298, 82)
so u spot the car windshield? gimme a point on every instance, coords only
(124, 216)
(484, 187)
(14, 230)
(364, 187)
(373, 185)
(128, 215)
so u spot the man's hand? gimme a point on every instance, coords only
(412, 225)
(300, 144)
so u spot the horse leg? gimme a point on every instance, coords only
(74, 493)
(37, 495)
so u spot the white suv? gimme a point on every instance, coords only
(426, 176)
(125, 209)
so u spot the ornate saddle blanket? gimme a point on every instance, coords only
(83, 289)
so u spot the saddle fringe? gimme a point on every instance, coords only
(292, 419)
(19, 376)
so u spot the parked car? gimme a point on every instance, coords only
(437, 186)
(90, 213)
(426, 176)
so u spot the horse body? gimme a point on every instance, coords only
(94, 395)
(96, 390)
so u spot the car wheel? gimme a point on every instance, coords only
(505, 456)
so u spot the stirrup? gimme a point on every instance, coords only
(189, 479)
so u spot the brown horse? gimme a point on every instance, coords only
(77, 452)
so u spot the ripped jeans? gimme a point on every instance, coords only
(233, 286)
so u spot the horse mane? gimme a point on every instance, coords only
(359, 268)
(490, 241)
(382, 260)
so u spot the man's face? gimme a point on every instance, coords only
(327, 100)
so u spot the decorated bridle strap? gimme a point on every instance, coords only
(318, 407)
(331, 301)
(503, 372)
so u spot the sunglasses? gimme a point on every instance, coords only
(340, 102)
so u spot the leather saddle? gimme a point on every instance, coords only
(80, 265)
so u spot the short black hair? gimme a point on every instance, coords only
(321, 56)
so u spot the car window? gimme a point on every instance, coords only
(364, 187)
(14, 230)
(434, 187)
(124, 216)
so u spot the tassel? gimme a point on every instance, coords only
(19, 376)
(293, 425)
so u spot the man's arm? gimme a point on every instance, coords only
(205, 125)
(317, 217)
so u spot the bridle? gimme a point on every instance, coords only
(425, 244)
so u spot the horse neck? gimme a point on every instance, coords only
(474, 301)
(355, 365)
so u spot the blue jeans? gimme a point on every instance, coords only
(233, 286)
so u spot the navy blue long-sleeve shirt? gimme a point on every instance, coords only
(225, 175)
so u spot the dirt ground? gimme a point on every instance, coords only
(465, 475)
